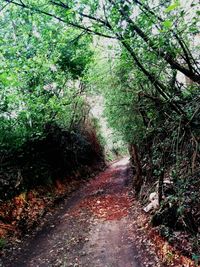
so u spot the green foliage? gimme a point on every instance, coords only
(196, 258)
(75, 56)
(41, 65)
(172, 7)
(116, 81)
(2, 243)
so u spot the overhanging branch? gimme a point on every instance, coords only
(163, 54)
(72, 24)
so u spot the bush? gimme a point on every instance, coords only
(57, 154)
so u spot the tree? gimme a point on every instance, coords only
(40, 75)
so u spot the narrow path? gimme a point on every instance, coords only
(94, 228)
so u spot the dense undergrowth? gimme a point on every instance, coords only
(170, 167)
(58, 154)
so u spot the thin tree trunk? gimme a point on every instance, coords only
(138, 180)
(160, 187)
(161, 179)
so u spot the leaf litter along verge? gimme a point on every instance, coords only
(21, 214)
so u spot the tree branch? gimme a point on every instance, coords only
(61, 4)
(187, 54)
(161, 89)
(165, 55)
(4, 6)
(72, 24)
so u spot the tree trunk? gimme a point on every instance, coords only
(160, 187)
(138, 180)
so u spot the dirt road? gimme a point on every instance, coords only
(94, 228)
